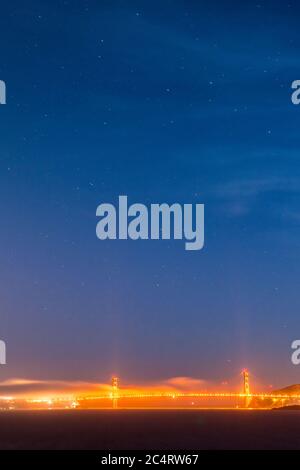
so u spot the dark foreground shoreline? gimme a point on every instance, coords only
(149, 429)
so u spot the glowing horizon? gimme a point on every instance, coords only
(73, 394)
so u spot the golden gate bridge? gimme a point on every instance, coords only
(117, 397)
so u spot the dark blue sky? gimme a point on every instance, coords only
(168, 101)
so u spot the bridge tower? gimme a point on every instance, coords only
(246, 382)
(115, 391)
(246, 387)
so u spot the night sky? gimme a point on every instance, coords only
(169, 101)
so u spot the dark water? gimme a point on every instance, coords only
(155, 429)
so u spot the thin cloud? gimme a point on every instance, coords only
(28, 388)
